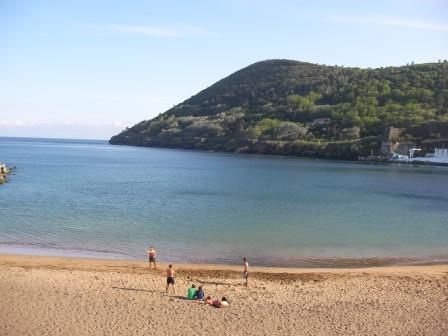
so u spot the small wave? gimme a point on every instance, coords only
(415, 196)
(201, 193)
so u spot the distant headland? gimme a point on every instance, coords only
(288, 107)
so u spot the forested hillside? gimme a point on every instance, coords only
(290, 107)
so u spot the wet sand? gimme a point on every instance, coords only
(69, 296)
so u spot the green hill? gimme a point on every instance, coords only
(297, 108)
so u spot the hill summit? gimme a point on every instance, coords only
(298, 108)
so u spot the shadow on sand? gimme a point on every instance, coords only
(180, 297)
(137, 289)
(213, 282)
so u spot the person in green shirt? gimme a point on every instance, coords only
(191, 292)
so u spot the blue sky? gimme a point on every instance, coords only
(88, 69)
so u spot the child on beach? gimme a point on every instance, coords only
(217, 303)
(221, 304)
(209, 300)
(199, 295)
(191, 293)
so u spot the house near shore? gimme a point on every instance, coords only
(390, 143)
(321, 121)
(428, 137)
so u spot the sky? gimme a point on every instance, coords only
(88, 69)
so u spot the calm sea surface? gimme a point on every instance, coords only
(91, 199)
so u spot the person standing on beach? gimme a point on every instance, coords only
(152, 256)
(170, 275)
(246, 271)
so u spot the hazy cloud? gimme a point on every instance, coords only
(72, 130)
(15, 123)
(158, 31)
(393, 21)
(21, 123)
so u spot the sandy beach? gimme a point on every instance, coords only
(68, 296)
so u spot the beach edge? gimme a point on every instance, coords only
(141, 267)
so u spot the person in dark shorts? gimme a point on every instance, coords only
(152, 256)
(170, 278)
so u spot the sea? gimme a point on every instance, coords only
(86, 198)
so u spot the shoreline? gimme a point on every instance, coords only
(271, 262)
(141, 267)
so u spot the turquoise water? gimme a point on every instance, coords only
(88, 198)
